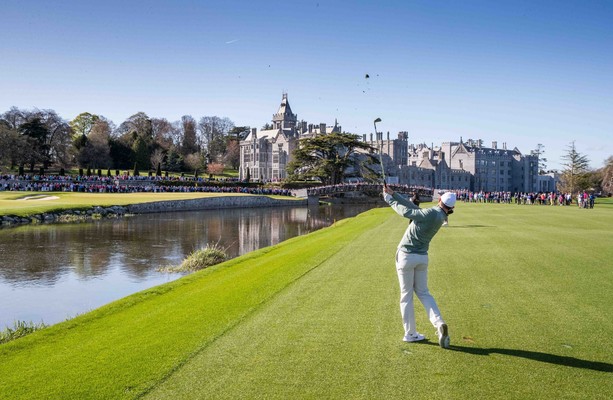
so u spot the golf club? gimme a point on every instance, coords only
(380, 152)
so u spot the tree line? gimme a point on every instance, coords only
(41, 138)
(35, 140)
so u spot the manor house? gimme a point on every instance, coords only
(264, 154)
(469, 165)
(458, 165)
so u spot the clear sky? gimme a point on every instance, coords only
(520, 72)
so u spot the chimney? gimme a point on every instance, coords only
(504, 145)
(371, 137)
(322, 128)
(364, 138)
(494, 145)
(310, 128)
(388, 135)
(254, 133)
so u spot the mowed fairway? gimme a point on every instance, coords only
(526, 291)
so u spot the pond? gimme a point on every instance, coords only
(50, 273)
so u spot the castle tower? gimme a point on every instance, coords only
(284, 118)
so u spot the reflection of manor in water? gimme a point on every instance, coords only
(255, 232)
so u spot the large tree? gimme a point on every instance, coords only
(57, 146)
(13, 145)
(138, 125)
(327, 157)
(36, 134)
(15, 117)
(96, 151)
(164, 133)
(576, 166)
(189, 142)
(83, 123)
(212, 135)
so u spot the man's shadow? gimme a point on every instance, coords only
(537, 356)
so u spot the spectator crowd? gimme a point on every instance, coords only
(582, 199)
(127, 184)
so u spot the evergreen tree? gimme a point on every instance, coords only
(576, 165)
(141, 153)
(327, 157)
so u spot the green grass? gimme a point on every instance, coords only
(14, 203)
(525, 290)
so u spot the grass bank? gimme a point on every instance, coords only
(525, 290)
(29, 203)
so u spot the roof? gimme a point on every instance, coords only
(268, 134)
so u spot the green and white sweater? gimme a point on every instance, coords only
(425, 222)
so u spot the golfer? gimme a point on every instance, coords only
(412, 260)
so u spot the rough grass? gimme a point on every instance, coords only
(525, 290)
(211, 254)
(19, 330)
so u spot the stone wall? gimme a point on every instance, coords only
(97, 212)
(212, 203)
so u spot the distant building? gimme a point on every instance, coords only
(452, 165)
(466, 165)
(548, 182)
(266, 153)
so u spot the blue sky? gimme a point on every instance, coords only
(520, 72)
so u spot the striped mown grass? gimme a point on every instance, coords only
(525, 290)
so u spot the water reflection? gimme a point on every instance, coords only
(52, 272)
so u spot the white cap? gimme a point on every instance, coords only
(448, 199)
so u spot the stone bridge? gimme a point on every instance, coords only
(313, 194)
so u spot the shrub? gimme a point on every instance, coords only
(20, 329)
(199, 259)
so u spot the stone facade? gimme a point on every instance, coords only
(266, 153)
(453, 165)
(457, 165)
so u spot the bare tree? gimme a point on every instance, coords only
(57, 144)
(15, 117)
(157, 158)
(193, 162)
(233, 154)
(163, 133)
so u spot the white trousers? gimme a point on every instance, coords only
(413, 277)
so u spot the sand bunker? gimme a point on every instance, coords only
(40, 197)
